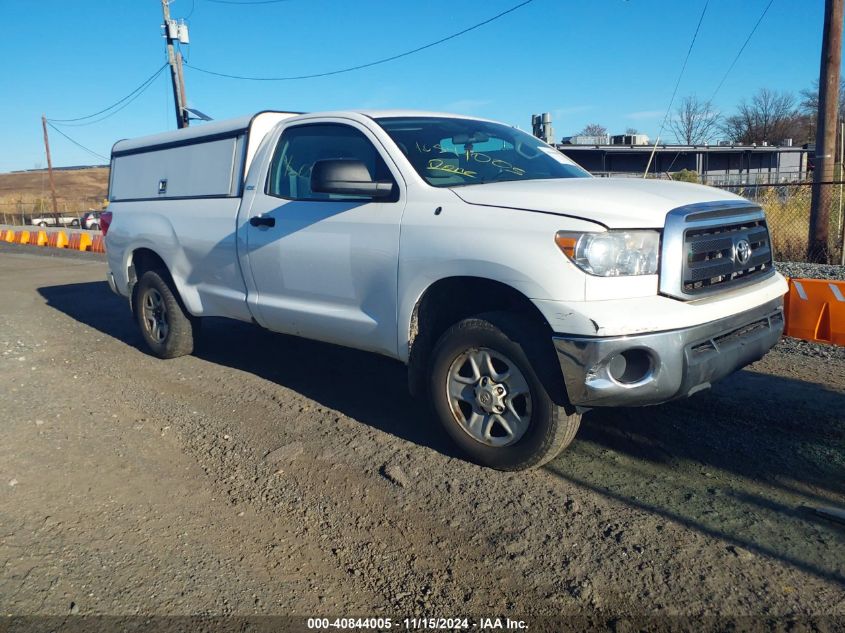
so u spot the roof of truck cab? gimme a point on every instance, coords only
(230, 127)
(387, 114)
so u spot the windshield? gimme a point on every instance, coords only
(449, 152)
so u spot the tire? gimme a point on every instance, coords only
(42, 224)
(538, 421)
(167, 328)
(74, 222)
(94, 227)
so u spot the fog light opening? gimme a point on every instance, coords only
(629, 367)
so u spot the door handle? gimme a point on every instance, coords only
(260, 220)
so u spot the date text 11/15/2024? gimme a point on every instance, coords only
(417, 624)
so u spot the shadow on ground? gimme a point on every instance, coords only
(745, 462)
(741, 462)
(366, 387)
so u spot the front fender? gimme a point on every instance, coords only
(513, 247)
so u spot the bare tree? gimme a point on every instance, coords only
(809, 107)
(769, 116)
(810, 99)
(695, 121)
(631, 130)
(593, 129)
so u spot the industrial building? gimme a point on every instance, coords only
(721, 164)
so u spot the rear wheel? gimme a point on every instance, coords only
(487, 391)
(168, 329)
(94, 226)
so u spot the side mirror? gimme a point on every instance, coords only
(347, 177)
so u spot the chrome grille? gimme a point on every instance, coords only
(712, 247)
(712, 255)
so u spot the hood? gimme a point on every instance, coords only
(617, 203)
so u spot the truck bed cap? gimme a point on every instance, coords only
(227, 127)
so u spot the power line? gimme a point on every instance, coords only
(116, 103)
(683, 67)
(369, 64)
(247, 1)
(677, 85)
(137, 94)
(736, 59)
(90, 151)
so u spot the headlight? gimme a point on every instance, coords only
(612, 253)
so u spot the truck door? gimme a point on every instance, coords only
(324, 266)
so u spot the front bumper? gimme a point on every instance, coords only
(665, 365)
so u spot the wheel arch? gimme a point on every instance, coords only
(451, 299)
(144, 258)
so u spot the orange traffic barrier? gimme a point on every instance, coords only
(10, 236)
(22, 237)
(79, 241)
(38, 238)
(57, 239)
(98, 244)
(815, 310)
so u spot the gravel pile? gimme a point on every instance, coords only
(801, 270)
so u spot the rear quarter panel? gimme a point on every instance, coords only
(195, 238)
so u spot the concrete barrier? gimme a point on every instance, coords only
(57, 239)
(79, 241)
(815, 310)
(98, 244)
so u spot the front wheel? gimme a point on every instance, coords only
(487, 391)
(42, 224)
(168, 329)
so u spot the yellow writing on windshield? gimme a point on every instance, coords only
(435, 164)
(477, 157)
(506, 166)
(425, 149)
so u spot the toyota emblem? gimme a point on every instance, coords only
(742, 251)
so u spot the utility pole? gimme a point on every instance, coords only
(182, 87)
(174, 58)
(50, 168)
(831, 61)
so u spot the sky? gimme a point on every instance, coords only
(612, 62)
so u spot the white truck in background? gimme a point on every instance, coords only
(519, 290)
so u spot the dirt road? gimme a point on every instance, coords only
(270, 475)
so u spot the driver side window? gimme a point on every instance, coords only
(301, 146)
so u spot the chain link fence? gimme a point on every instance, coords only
(22, 212)
(787, 209)
(786, 198)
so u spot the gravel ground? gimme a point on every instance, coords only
(261, 476)
(801, 270)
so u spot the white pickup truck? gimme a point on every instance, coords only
(519, 290)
